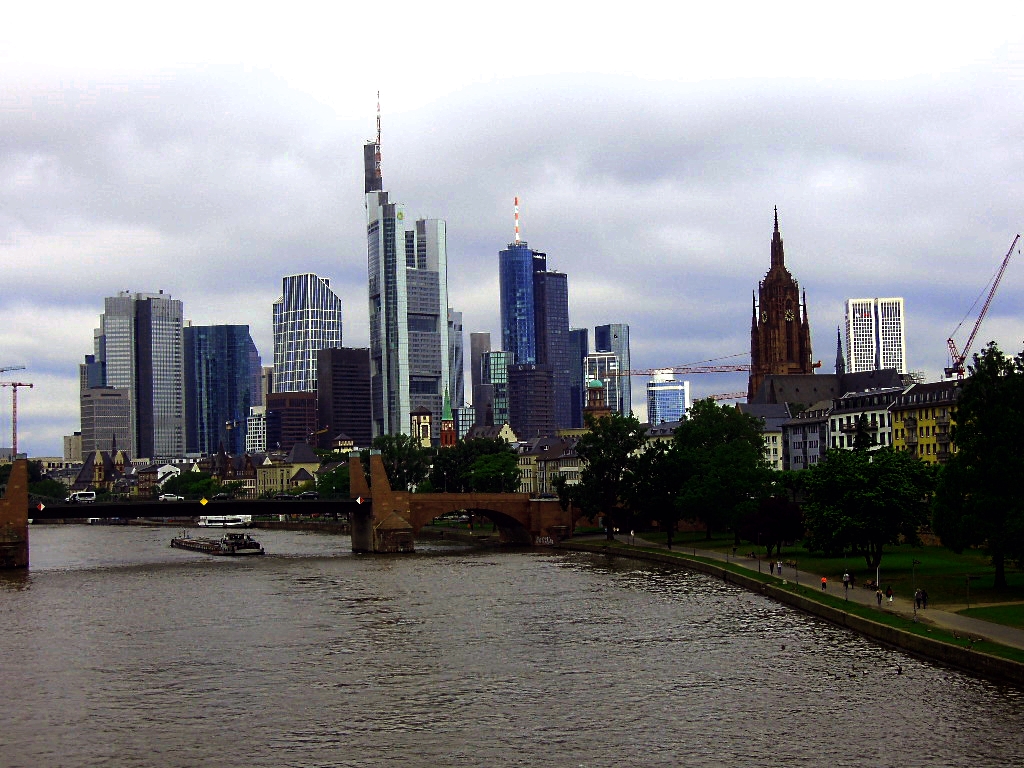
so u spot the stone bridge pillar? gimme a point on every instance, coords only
(383, 527)
(14, 519)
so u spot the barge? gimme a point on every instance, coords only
(234, 544)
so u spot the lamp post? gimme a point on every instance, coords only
(913, 576)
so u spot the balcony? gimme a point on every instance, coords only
(911, 438)
(942, 438)
(942, 421)
(871, 426)
(910, 422)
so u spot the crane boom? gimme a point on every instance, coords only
(14, 411)
(956, 356)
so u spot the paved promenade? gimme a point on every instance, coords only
(962, 625)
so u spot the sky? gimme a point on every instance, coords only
(207, 150)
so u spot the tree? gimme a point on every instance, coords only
(864, 501)
(406, 461)
(776, 520)
(653, 482)
(721, 459)
(494, 473)
(453, 469)
(977, 501)
(605, 452)
(334, 483)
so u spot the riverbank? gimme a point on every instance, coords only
(920, 635)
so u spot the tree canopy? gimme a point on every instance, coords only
(977, 501)
(484, 465)
(605, 453)
(406, 461)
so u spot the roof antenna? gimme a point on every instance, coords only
(515, 211)
(376, 169)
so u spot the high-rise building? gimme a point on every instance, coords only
(481, 392)
(408, 302)
(456, 359)
(614, 338)
(875, 335)
(579, 348)
(307, 318)
(604, 367)
(668, 398)
(531, 400)
(343, 396)
(517, 266)
(256, 430)
(494, 372)
(780, 333)
(291, 419)
(139, 349)
(106, 419)
(222, 382)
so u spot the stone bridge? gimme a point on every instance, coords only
(390, 522)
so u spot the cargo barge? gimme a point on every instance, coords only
(229, 544)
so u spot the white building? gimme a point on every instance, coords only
(875, 335)
(307, 318)
(668, 398)
(256, 430)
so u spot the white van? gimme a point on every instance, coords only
(81, 497)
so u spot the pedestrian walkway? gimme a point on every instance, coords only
(963, 626)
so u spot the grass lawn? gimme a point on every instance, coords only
(1010, 615)
(941, 572)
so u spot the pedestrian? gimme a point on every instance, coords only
(917, 598)
(824, 583)
(778, 566)
(924, 598)
(878, 596)
(771, 567)
(888, 593)
(846, 581)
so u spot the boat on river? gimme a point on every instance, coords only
(225, 521)
(233, 544)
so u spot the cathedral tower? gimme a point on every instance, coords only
(780, 334)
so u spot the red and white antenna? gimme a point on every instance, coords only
(515, 211)
(376, 158)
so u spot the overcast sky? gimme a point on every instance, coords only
(207, 150)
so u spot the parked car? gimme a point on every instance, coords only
(221, 497)
(171, 497)
(308, 495)
(282, 496)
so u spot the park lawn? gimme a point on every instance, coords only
(1009, 615)
(940, 571)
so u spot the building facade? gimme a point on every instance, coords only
(343, 396)
(873, 406)
(579, 348)
(139, 349)
(222, 382)
(291, 420)
(494, 371)
(307, 318)
(922, 420)
(408, 303)
(456, 359)
(875, 334)
(531, 400)
(780, 332)
(614, 338)
(604, 367)
(668, 398)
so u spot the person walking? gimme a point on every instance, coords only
(878, 596)
(888, 593)
(924, 598)
(917, 598)
(846, 580)
(824, 583)
(771, 567)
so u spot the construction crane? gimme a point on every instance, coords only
(683, 369)
(14, 411)
(6, 368)
(726, 396)
(957, 356)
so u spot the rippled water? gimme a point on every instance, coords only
(119, 651)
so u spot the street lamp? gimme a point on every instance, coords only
(913, 571)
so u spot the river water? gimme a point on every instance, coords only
(116, 650)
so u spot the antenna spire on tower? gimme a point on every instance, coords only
(515, 214)
(376, 159)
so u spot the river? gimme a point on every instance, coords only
(116, 650)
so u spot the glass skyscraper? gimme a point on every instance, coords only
(140, 350)
(307, 318)
(222, 382)
(668, 399)
(408, 303)
(614, 338)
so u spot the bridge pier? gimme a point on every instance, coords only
(381, 529)
(14, 519)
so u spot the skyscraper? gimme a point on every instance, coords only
(875, 336)
(481, 392)
(139, 346)
(614, 338)
(579, 348)
(343, 396)
(222, 382)
(494, 372)
(456, 359)
(780, 333)
(307, 318)
(408, 302)
(668, 398)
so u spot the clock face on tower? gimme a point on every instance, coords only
(789, 315)
(764, 317)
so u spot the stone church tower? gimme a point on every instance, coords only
(780, 335)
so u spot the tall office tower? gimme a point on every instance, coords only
(256, 430)
(604, 366)
(531, 400)
(139, 346)
(482, 394)
(222, 382)
(266, 382)
(579, 348)
(614, 338)
(465, 420)
(534, 305)
(106, 419)
(495, 383)
(456, 359)
(668, 398)
(875, 336)
(307, 318)
(408, 292)
(780, 334)
(291, 419)
(343, 396)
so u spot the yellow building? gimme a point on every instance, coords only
(922, 420)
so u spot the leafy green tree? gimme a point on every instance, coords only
(406, 461)
(459, 469)
(334, 483)
(495, 473)
(605, 453)
(977, 501)
(49, 488)
(721, 459)
(777, 520)
(191, 485)
(654, 480)
(865, 501)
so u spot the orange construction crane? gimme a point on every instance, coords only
(956, 356)
(14, 411)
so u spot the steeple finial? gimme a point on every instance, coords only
(776, 207)
(778, 258)
(840, 361)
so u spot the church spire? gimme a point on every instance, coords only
(778, 258)
(840, 361)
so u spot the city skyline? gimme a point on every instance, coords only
(652, 178)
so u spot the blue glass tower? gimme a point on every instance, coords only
(517, 265)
